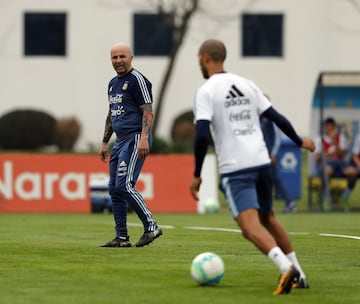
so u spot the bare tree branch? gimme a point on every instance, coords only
(181, 28)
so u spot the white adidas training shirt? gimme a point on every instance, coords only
(233, 105)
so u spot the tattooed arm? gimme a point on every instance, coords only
(107, 135)
(143, 148)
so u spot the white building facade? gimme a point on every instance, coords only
(320, 35)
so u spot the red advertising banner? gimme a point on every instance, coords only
(60, 183)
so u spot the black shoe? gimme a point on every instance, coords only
(148, 237)
(118, 242)
(286, 281)
(301, 283)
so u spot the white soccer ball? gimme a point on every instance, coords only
(211, 205)
(207, 268)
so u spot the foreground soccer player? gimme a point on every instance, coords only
(130, 117)
(230, 107)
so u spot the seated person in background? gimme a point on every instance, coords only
(272, 137)
(353, 170)
(334, 145)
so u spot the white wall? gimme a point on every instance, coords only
(319, 35)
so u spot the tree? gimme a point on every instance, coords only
(183, 10)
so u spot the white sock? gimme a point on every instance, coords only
(279, 259)
(292, 257)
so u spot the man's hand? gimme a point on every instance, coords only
(103, 152)
(143, 147)
(195, 187)
(308, 144)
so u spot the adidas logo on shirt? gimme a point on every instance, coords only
(235, 98)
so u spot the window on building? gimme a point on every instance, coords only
(44, 34)
(262, 35)
(153, 34)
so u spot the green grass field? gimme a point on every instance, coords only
(55, 258)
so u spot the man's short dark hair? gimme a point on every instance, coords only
(330, 120)
(215, 48)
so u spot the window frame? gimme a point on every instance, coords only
(266, 48)
(139, 47)
(33, 46)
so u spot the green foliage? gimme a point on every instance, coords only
(29, 130)
(182, 137)
(183, 127)
(55, 258)
(183, 133)
(182, 147)
(26, 130)
(67, 133)
(159, 146)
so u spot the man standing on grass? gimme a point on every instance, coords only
(230, 106)
(130, 117)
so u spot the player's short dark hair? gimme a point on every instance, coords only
(215, 48)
